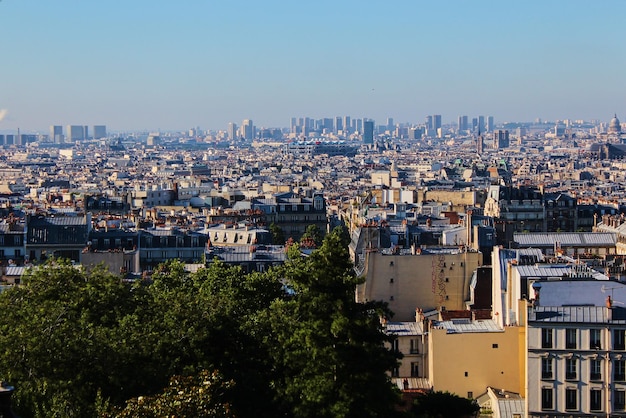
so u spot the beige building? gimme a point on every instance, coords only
(460, 199)
(429, 279)
(466, 356)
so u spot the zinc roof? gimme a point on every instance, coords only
(566, 239)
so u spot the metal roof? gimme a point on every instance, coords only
(461, 326)
(581, 292)
(565, 239)
(405, 328)
(575, 314)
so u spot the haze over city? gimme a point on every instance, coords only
(173, 65)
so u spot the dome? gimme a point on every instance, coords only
(615, 126)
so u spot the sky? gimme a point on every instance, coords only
(173, 65)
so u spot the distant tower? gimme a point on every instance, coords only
(490, 124)
(75, 132)
(338, 124)
(368, 132)
(247, 130)
(56, 134)
(346, 124)
(99, 131)
(232, 131)
(429, 123)
(436, 122)
(501, 139)
(390, 124)
(479, 143)
(481, 123)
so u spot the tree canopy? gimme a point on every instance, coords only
(288, 342)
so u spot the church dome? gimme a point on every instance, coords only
(615, 126)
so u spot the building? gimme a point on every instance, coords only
(232, 131)
(615, 126)
(436, 122)
(294, 213)
(576, 349)
(56, 134)
(99, 131)
(75, 133)
(431, 279)
(247, 130)
(500, 139)
(467, 355)
(368, 132)
(60, 236)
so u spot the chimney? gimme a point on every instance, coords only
(609, 308)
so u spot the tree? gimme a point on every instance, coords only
(442, 405)
(278, 236)
(312, 233)
(329, 350)
(201, 396)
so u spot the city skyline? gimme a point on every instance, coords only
(166, 66)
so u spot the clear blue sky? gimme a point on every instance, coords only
(137, 64)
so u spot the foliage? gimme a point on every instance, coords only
(329, 349)
(278, 236)
(79, 343)
(199, 396)
(444, 404)
(313, 233)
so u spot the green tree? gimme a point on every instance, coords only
(443, 405)
(313, 233)
(199, 396)
(329, 350)
(278, 236)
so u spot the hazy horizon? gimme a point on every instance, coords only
(172, 66)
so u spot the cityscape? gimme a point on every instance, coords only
(330, 210)
(501, 240)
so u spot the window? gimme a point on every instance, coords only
(570, 368)
(618, 340)
(619, 400)
(414, 347)
(619, 370)
(546, 398)
(595, 400)
(570, 338)
(415, 369)
(546, 338)
(571, 399)
(546, 368)
(594, 339)
(595, 368)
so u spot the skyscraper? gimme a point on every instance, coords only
(368, 132)
(429, 123)
(247, 130)
(390, 124)
(56, 134)
(99, 131)
(232, 131)
(436, 122)
(463, 123)
(346, 124)
(338, 124)
(490, 124)
(75, 132)
(481, 123)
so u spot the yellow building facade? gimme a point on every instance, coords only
(430, 279)
(468, 356)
